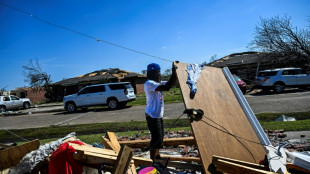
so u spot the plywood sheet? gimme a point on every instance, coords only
(216, 98)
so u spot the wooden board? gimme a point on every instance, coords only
(114, 141)
(167, 142)
(11, 156)
(123, 159)
(216, 98)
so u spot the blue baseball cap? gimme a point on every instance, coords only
(153, 66)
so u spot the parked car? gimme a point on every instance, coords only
(114, 95)
(8, 102)
(278, 79)
(240, 83)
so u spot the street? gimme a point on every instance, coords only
(290, 101)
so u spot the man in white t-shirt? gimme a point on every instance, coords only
(154, 110)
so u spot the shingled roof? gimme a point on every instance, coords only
(104, 74)
(250, 58)
(239, 59)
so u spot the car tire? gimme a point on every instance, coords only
(71, 107)
(278, 88)
(26, 105)
(113, 103)
(2, 109)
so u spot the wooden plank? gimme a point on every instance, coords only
(94, 157)
(12, 155)
(230, 167)
(216, 98)
(87, 148)
(107, 143)
(244, 163)
(167, 142)
(132, 169)
(296, 169)
(123, 160)
(186, 159)
(114, 141)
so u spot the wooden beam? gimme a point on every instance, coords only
(132, 169)
(94, 157)
(107, 143)
(122, 163)
(112, 137)
(230, 167)
(293, 167)
(186, 159)
(92, 149)
(114, 141)
(215, 160)
(11, 156)
(167, 142)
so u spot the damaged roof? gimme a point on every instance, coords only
(104, 74)
(248, 58)
(239, 59)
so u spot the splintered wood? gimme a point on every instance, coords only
(222, 113)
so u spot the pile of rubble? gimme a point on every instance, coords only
(279, 137)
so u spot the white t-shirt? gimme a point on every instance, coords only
(154, 99)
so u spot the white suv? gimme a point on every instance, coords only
(278, 79)
(114, 95)
(8, 102)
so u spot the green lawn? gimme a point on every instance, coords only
(172, 96)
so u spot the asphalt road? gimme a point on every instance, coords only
(289, 101)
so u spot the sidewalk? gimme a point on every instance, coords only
(50, 107)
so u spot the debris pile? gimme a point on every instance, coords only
(279, 137)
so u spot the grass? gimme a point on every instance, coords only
(91, 133)
(172, 96)
(84, 129)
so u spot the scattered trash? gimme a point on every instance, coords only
(285, 118)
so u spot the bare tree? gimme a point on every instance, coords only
(36, 77)
(2, 90)
(278, 35)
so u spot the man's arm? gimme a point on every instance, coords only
(170, 83)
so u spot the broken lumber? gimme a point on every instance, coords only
(166, 142)
(231, 167)
(94, 157)
(215, 160)
(296, 169)
(11, 156)
(123, 159)
(107, 143)
(114, 141)
(186, 159)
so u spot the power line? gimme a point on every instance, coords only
(82, 34)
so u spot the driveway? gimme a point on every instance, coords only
(289, 101)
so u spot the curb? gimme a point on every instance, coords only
(32, 112)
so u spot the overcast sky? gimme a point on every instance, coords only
(184, 30)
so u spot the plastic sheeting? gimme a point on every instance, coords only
(33, 158)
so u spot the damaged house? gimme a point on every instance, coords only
(73, 85)
(247, 64)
